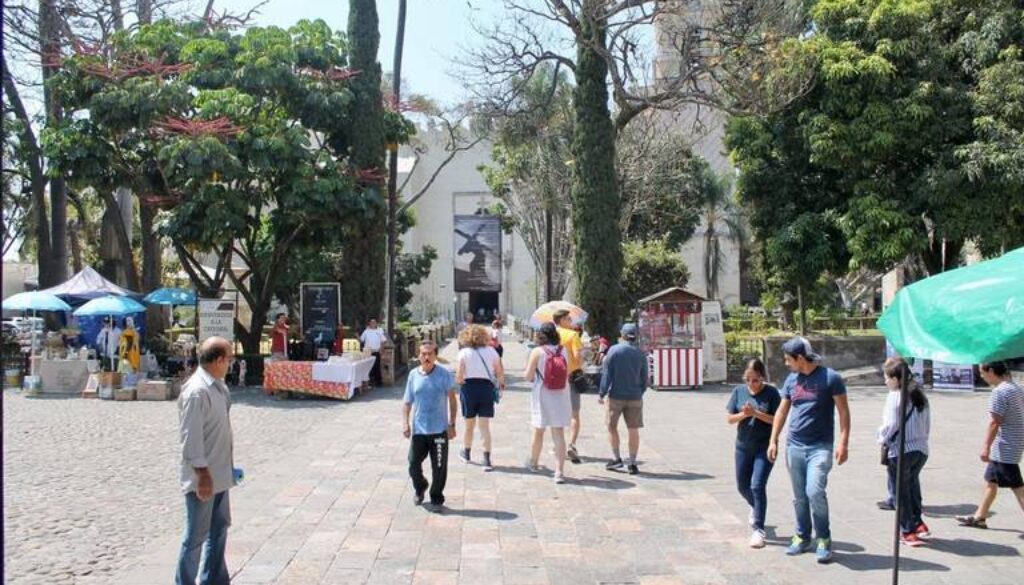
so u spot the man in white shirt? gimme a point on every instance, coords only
(108, 342)
(207, 465)
(372, 339)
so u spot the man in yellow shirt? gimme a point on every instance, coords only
(570, 340)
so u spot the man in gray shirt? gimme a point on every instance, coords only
(207, 470)
(624, 380)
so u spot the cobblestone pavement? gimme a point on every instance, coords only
(90, 497)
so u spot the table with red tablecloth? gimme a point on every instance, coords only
(334, 380)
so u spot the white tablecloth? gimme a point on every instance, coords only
(344, 372)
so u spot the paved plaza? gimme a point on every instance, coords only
(91, 497)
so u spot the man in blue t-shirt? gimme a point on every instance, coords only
(813, 393)
(430, 399)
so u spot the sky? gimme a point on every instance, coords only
(434, 32)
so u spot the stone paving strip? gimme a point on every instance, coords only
(91, 498)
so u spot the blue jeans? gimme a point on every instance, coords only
(206, 529)
(752, 471)
(808, 471)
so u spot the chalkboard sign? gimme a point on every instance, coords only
(321, 311)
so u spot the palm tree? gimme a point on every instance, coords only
(722, 218)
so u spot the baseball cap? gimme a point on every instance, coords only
(799, 346)
(628, 331)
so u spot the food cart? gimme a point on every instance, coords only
(670, 324)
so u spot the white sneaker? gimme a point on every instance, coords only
(757, 539)
(559, 478)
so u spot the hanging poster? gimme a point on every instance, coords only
(477, 257)
(217, 318)
(321, 311)
(952, 376)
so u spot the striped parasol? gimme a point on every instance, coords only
(545, 313)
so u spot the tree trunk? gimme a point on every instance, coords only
(37, 178)
(803, 309)
(252, 337)
(942, 255)
(549, 287)
(144, 10)
(53, 252)
(152, 268)
(595, 197)
(396, 83)
(75, 241)
(363, 259)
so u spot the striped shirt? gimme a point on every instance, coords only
(917, 427)
(1007, 401)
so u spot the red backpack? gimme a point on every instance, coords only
(556, 370)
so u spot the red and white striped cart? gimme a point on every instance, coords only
(671, 335)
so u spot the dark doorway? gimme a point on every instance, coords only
(484, 306)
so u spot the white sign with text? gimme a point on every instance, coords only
(217, 318)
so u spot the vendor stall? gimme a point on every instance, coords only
(670, 325)
(67, 376)
(341, 377)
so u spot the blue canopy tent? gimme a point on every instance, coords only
(86, 286)
(34, 301)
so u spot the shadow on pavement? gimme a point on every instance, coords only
(869, 562)
(962, 547)
(495, 514)
(603, 483)
(948, 511)
(675, 476)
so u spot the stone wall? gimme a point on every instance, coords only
(838, 353)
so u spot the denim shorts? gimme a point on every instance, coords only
(477, 398)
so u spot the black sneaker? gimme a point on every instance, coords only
(573, 455)
(614, 464)
(464, 455)
(633, 469)
(487, 462)
(885, 505)
(418, 499)
(436, 508)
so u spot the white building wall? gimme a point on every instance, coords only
(459, 189)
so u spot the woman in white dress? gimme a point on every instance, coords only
(550, 408)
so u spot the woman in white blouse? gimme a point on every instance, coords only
(916, 427)
(482, 380)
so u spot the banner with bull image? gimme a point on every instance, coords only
(477, 253)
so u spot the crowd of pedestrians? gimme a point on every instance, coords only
(809, 400)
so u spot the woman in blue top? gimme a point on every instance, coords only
(752, 409)
(430, 399)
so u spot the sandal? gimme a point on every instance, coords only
(971, 521)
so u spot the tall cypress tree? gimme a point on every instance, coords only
(363, 261)
(595, 196)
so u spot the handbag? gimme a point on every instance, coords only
(884, 458)
(494, 383)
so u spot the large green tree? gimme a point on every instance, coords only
(363, 257)
(890, 155)
(241, 138)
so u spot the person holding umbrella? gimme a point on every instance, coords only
(1004, 441)
(573, 346)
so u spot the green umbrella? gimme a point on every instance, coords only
(969, 315)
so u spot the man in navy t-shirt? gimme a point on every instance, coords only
(813, 393)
